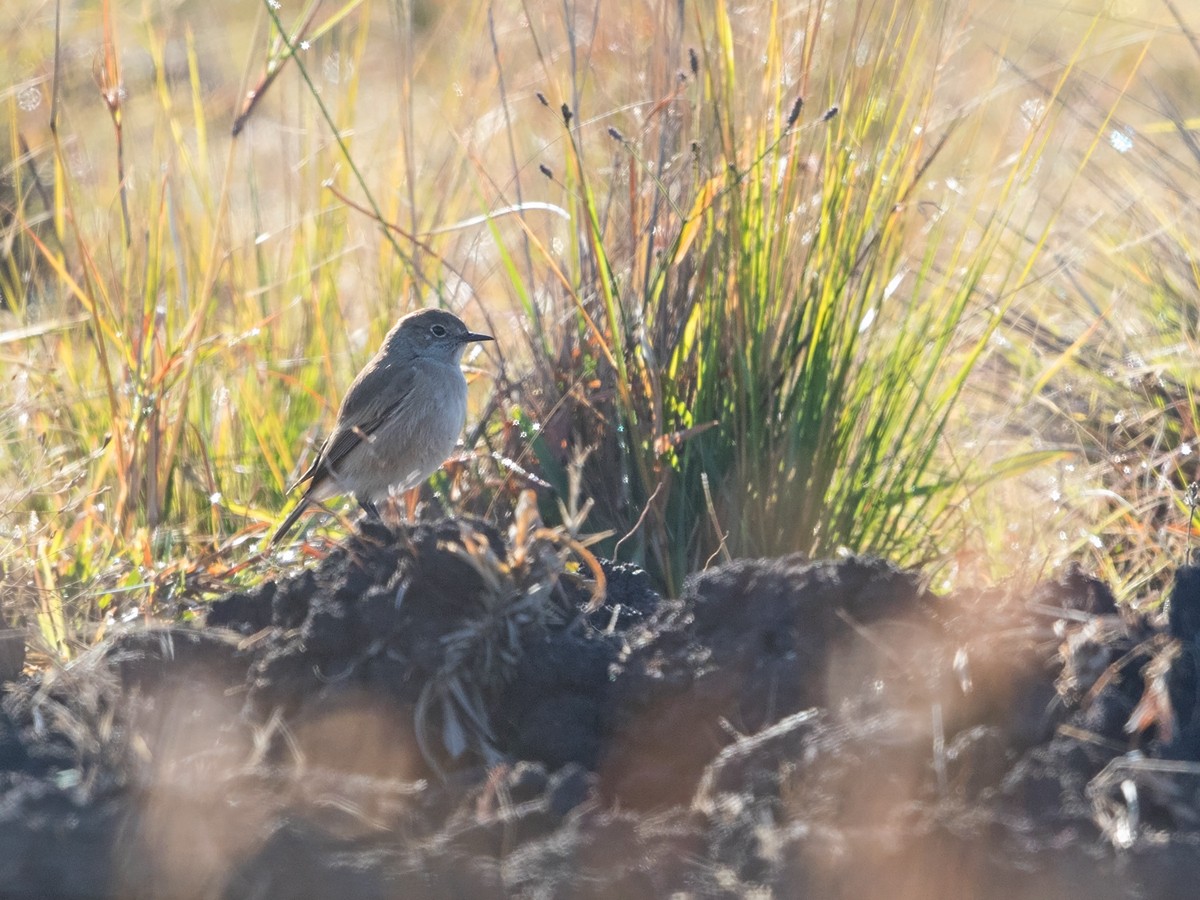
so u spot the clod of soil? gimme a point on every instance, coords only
(431, 712)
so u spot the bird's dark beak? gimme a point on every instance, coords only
(476, 336)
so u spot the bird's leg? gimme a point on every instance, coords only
(369, 508)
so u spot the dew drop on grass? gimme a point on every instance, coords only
(1120, 141)
(893, 284)
(29, 99)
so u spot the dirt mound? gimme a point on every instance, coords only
(436, 712)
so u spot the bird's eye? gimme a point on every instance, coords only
(438, 330)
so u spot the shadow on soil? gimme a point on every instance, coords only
(784, 728)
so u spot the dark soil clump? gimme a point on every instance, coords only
(438, 712)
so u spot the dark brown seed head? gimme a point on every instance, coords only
(795, 113)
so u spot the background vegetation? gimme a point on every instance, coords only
(913, 279)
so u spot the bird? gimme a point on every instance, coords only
(399, 419)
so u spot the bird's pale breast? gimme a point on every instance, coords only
(409, 447)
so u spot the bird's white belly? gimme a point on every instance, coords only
(410, 447)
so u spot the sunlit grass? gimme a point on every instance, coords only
(771, 363)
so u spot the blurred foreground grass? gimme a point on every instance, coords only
(943, 309)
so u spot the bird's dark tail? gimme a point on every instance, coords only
(291, 520)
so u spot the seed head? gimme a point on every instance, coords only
(795, 113)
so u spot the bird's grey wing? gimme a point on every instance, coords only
(376, 395)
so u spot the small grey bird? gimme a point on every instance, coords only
(400, 418)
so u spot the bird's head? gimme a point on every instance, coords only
(433, 333)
